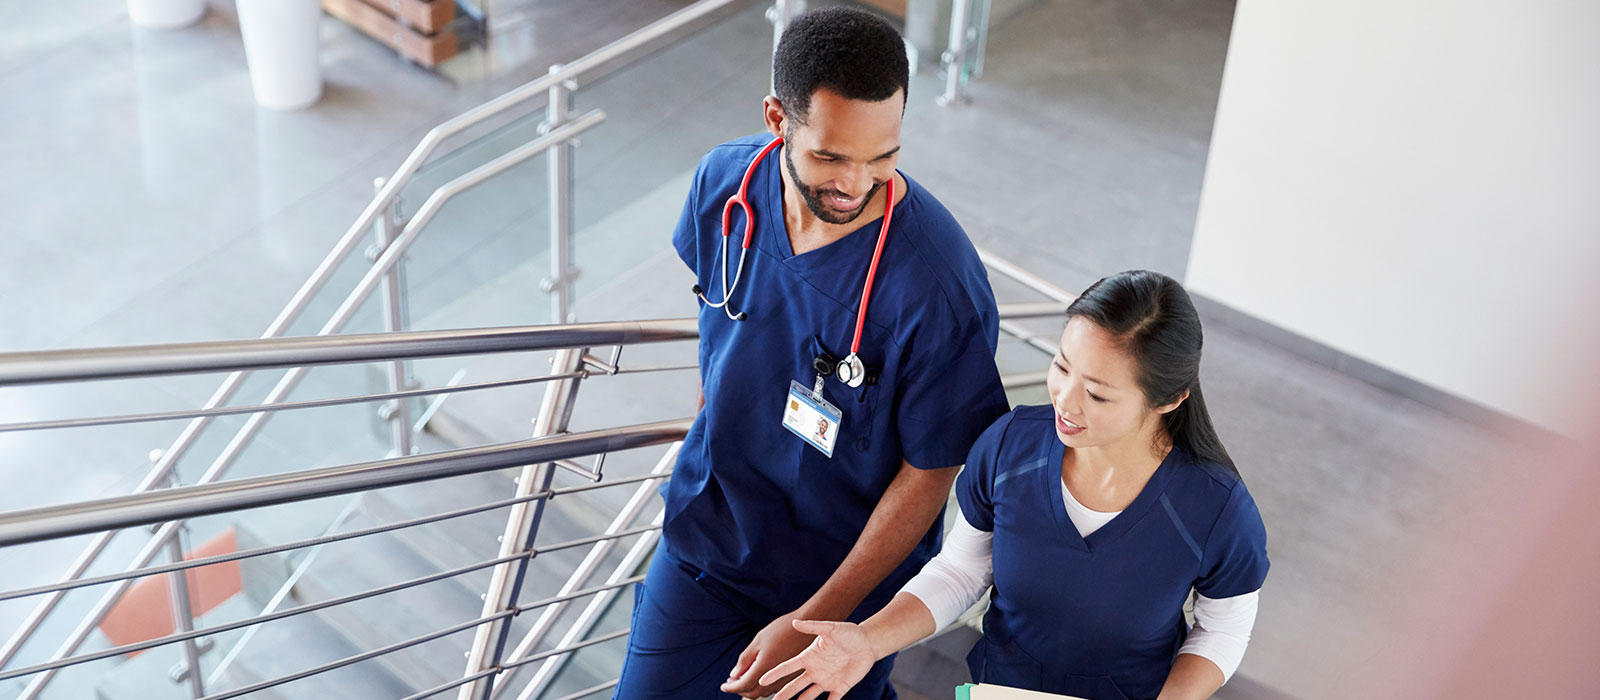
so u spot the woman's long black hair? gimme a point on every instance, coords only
(1157, 323)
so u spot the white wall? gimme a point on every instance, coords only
(1417, 183)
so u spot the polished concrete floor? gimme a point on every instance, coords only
(146, 199)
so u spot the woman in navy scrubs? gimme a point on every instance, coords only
(1093, 519)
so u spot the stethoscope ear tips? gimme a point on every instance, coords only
(697, 290)
(740, 316)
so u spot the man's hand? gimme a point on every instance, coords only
(833, 664)
(904, 514)
(776, 643)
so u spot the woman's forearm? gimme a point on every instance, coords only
(1192, 678)
(898, 625)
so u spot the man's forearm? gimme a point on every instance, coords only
(898, 523)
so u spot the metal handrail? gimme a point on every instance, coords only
(1032, 309)
(271, 353)
(375, 347)
(580, 575)
(247, 622)
(164, 466)
(591, 613)
(335, 602)
(586, 692)
(559, 82)
(159, 416)
(628, 47)
(423, 639)
(1028, 279)
(634, 46)
(541, 656)
(197, 563)
(364, 656)
(166, 505)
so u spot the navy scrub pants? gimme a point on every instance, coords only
(688, 632)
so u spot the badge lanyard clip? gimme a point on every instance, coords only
(824, 364)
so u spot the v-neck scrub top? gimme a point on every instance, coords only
(749, 502)
(1100, 617)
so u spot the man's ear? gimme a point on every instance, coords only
(772, 114)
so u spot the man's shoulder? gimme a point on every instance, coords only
(739, 151)
(934, 222)
(943, 258)
(722, 167)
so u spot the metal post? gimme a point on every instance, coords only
(644, 494)
(563, 272)
(779, 15)
(183, 620)
(591, 613)
(955, 58)
(488, 646)
(781, 12)
(395, 313)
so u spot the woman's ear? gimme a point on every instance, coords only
(1168, 408)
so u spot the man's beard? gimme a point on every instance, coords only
(813, 196)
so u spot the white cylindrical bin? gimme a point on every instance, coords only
(281, 45)
(165, 14)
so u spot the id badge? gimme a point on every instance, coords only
(812, 418)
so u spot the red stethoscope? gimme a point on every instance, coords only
(850, 370)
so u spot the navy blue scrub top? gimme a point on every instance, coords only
(748, 501)
(1100, 618)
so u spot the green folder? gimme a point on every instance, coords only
(964, 691)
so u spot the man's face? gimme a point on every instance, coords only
(843, 153)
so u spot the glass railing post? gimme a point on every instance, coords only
(779, 15)
(956, 56)
(395, 318)
(563, 272)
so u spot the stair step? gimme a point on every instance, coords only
(382, 559)
(452, 543)
(298, 643)
(357, 565)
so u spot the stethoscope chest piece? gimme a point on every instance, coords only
(851, 371)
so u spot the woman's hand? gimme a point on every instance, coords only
(837, 659)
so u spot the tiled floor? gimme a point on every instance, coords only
(146, 199)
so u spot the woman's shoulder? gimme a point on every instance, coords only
(1009, 433)
(1023, 424)
(1025, 430)
(1212, 490)
(1031, 414)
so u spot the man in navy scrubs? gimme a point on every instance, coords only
(812, 479)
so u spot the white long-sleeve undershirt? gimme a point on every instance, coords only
(963, 571)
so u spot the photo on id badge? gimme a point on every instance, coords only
(811, 418)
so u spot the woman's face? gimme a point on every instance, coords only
(1094, 388)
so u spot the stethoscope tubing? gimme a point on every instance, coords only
(742, 200)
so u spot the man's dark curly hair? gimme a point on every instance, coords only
(849, 51)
